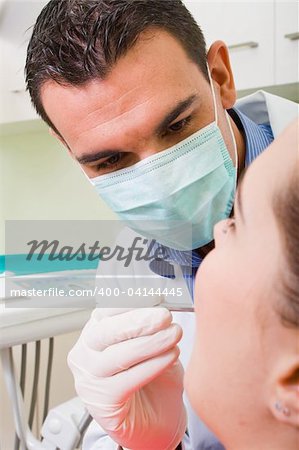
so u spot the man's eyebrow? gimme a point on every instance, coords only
(239, 194)
(89, 158)
(174, 113)
(170, 117)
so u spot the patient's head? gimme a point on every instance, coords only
(243, 377)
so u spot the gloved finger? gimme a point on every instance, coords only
(116, 390)
(127, 382)
(119, 357)
(110, 330)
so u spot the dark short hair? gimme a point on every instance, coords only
(75, 41)
(287, 211)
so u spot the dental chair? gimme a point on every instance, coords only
(64, 425)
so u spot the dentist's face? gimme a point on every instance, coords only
(154, 97)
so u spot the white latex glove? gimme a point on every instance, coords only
(128, 375)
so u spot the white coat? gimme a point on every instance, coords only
(262, 108)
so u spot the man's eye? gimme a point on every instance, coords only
(110, 162)
(114, 159)
(179, 126)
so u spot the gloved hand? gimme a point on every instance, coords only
(127, 373)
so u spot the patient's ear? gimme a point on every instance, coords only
(285, 393)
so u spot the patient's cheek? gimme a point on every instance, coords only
(191, 378)
(188, 382)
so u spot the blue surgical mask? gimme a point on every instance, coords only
(176, 196)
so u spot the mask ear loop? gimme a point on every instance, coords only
(228, 122)
(234, 144)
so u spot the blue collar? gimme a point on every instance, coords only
(257, 137)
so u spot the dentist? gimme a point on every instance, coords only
(128, 88)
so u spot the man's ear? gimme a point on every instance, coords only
(285, 393)
(221, 72)
(57, 136)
